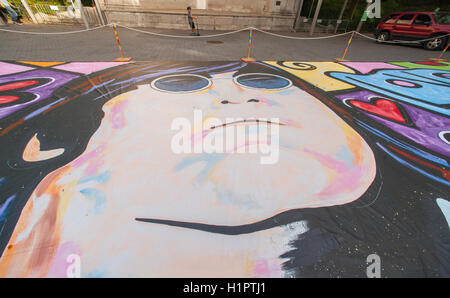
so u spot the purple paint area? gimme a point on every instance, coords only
(9, 68)
(87, 67)
(366, 67)
(428, 124)
(44, 91)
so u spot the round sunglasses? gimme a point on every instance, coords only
(185, 83)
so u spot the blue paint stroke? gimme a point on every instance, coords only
(97, 273)
(210, 161)
(98, 86)
(38, 111)
(344, 154)
(445, 208)
(99, 198)
(229, 198)
(101, 178)
(4, 208)
(405, 163)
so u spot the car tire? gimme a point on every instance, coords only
(438, 43)
(383, 36)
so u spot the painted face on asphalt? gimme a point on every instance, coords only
(129, 161)
(129, 171)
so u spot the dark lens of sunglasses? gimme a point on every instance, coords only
(183, 83)
(263, 81)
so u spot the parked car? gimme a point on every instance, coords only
(415, 26)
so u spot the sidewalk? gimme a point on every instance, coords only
(100, 45)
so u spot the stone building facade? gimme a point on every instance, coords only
(212, 14)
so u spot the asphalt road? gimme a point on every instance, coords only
(100, 45)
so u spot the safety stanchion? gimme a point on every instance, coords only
(248, 58)
(121, 58)
(346, 49)
(440, 59)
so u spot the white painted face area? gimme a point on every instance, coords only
(322, 161)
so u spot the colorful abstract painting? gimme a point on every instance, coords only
(89, 176)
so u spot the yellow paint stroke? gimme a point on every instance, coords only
(317, 76)
(33, 151)
(42, 64)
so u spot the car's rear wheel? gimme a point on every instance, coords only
(383, 36)
(435, 44)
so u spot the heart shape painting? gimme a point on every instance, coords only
(382, 107)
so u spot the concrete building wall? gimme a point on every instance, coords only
(213, 14)
(225, 6)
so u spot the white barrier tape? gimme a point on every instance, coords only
(402, 41)
(232, 32)
(54, 33)
(300, 38)
(181, 36)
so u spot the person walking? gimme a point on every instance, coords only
(191, 21)
(12, 13)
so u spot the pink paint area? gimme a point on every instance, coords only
(117, 118)
(87, 67)
(61, 261)
(93, 165)
(366, 67)
(267, 102)
(290, 122)
(403, 83)
(262, 268)
(329, 161)
(8, 68)
(346, 181)
(198, 137)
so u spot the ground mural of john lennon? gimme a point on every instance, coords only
(88, 171)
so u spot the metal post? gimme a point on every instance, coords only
(80, 7)
(346, 49)
(30, 12)
(316, 15)
(341, 15)
(248, 59)
(299, 12)
(99, 11)
(122, 58)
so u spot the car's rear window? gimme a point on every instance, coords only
(442, 18)
(422, 19)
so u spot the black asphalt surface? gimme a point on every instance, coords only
(100, 45)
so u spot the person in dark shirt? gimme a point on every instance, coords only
(191, 21)
(12, 13)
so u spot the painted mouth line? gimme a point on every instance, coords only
(216, 229)
(247, 122)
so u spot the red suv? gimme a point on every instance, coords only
(416, 26)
